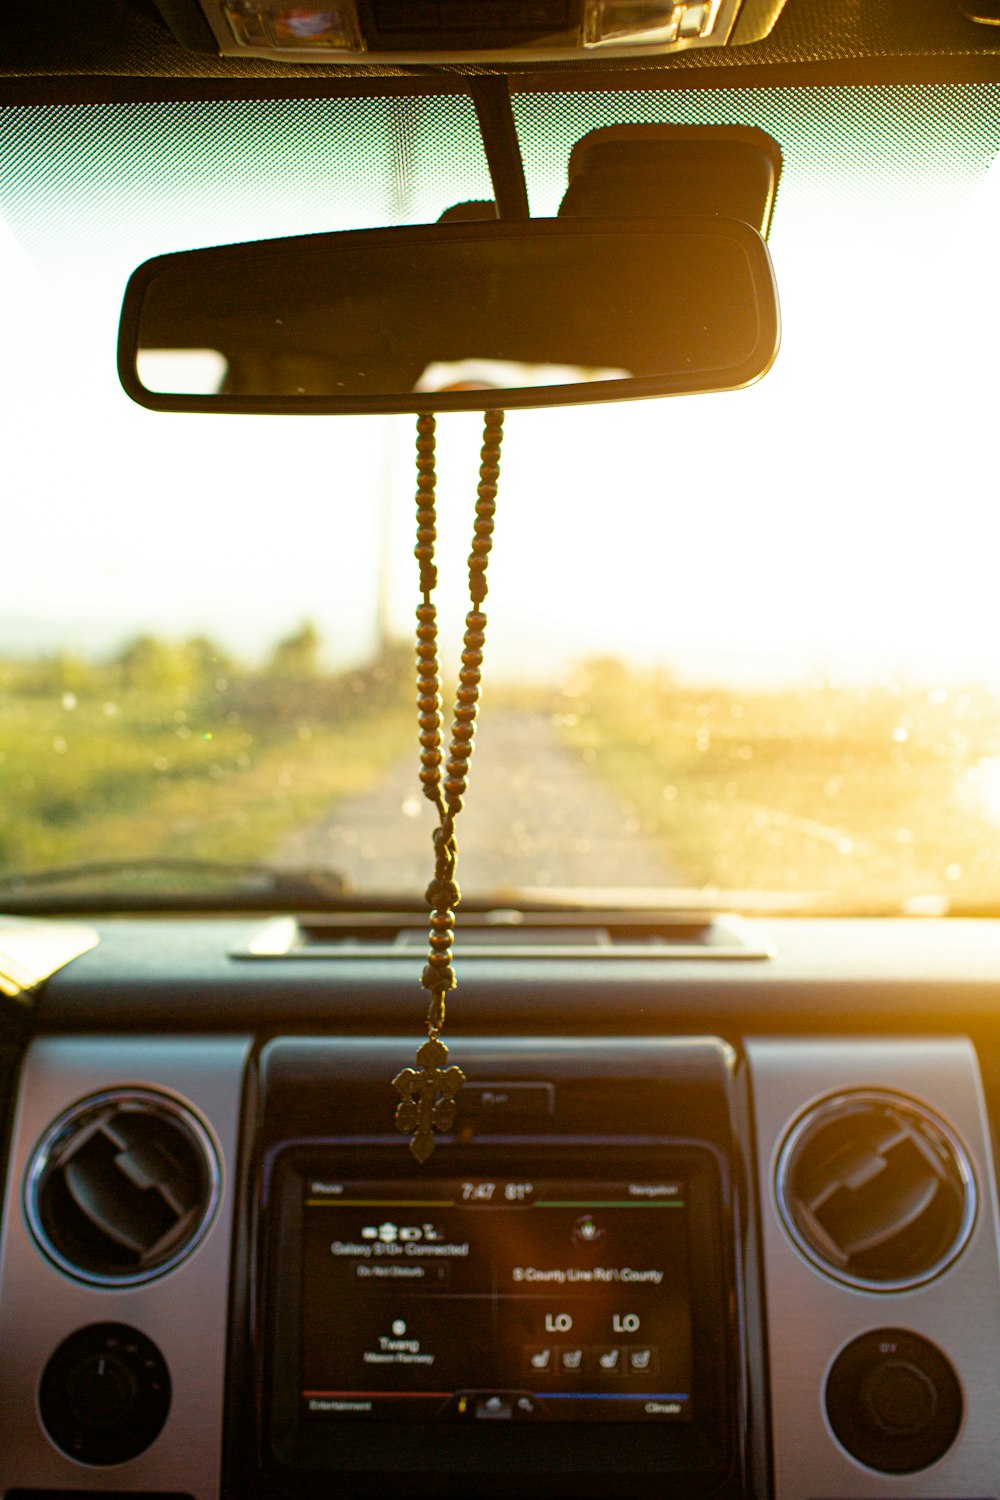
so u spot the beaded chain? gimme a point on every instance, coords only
(428, 1096)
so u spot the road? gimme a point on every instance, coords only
(535, 815)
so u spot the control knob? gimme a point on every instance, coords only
(105, 1394)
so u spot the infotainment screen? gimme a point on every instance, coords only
(496, 1299)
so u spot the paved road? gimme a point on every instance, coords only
(535, 816)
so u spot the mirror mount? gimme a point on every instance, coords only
(491, 97)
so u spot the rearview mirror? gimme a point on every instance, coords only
(457, 316)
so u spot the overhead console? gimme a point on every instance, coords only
(450, 31)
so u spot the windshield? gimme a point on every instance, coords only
(741, 647)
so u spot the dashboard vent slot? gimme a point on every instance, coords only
(502, 933)
(876, 1190)
(122, 1187)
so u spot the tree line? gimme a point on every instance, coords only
(293, 680)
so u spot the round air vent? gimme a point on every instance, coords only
(122, 1187)
(875, 1190)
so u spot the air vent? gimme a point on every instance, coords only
(510, 933)
(122, 1187)
(876, 1190)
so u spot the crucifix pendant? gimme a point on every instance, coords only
(427, 1098)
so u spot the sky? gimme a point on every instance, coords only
(841, 517)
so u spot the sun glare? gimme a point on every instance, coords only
(983, 785)
(824, 521)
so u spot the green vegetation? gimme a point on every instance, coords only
(865, 796)
(174, 749)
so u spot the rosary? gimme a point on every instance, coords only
(428, 1096)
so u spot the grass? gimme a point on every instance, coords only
(146, 773)
(865, 796)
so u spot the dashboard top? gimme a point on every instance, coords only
(821, 976)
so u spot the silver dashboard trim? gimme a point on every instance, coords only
(184, 1312)
(810, 1317)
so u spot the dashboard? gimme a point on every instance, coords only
(717, 1214)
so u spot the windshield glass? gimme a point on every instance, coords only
(741, 647)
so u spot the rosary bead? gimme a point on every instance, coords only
(438, 976)
(439, 983)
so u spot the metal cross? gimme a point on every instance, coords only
(428, 1097)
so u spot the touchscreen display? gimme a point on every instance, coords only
(497, 1299)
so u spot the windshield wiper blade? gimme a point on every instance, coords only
(170, 884)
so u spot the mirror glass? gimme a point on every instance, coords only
(452, 315)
